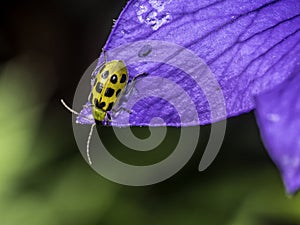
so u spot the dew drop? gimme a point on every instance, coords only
(291, 161)
(273, 117)
(145, 50)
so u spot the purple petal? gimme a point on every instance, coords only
(86, 116)
(278, 115)
(249, 46)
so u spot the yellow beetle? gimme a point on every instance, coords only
(110, 84)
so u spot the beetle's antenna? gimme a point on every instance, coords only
(73, 111)
(88, 144)
(68, 108)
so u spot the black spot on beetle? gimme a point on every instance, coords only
(101, 105)
(99, 87)
(123, 78)
(95, 101)
(114, 79)
(98, 122)
(109, 92)
(110, 106)
(118, 92)
(105, 74)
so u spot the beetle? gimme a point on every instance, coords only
(109, 84)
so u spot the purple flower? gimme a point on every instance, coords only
(278, 114)
(251, 47)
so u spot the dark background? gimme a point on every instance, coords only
(45, 47)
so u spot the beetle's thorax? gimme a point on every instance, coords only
(98, 114)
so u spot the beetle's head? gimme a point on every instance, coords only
(98, 114)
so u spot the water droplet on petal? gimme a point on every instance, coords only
(290, 161)
(145, 50)
(273, 117)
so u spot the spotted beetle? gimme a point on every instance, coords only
(110, 83)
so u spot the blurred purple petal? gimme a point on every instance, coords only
(278, 115)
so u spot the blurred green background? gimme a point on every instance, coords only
(44, 49)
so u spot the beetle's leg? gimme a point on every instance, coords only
(108, 117)
(107, 120)
(125, 96)
(98, 68)
(104, 55)
(89, 97)
(132, 83)
(139, 76)
(118, 110)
